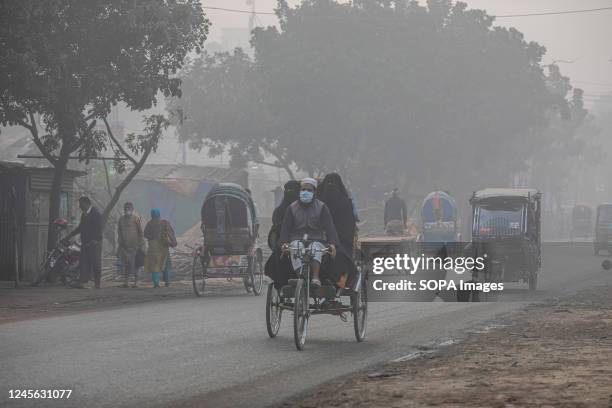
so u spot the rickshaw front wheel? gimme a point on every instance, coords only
(300, 315)
(273, 311)
(360, 311)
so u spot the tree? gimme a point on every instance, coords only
(386, 92)
(222, 108)
(69, 61)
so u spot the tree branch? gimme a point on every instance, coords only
(124, 183)
(79, 142)
(121, 149)
(41, 147)
(284, 163)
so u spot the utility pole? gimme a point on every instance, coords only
(252, 16)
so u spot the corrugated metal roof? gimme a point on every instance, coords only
(15, 142)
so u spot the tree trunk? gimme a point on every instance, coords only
(55, 196)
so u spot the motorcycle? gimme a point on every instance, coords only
(62, 262)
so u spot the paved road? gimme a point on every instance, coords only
(215, 351)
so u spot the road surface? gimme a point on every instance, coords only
(214, 351)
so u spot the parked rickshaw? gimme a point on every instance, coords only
(306, 300)
(506, 227)
(439, 218)
(582, 221)
(230, 249)
(603, 229)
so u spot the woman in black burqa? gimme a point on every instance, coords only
(335, 195)
(276, 266)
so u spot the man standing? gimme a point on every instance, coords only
(90, 229)
(131, 240)
(308, 216)
(395, 214)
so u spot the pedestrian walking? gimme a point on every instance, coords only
(130, 238)
(161, 238)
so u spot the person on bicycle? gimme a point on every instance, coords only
(396, 214)
(310, 216)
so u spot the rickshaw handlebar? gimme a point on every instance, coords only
(326, 250)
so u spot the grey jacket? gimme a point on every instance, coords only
(313, 219)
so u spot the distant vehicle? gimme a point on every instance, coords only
(506, 226)
(582, 221)
(603, 229)
(439, 218)
(230, 248)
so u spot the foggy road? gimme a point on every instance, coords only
(214, 351)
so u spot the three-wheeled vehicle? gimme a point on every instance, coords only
(230, 249)
(439, 218)
(582, 221)
(306, 300)
(506, 227)
(603, 229)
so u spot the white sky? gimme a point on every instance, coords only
(586, 37)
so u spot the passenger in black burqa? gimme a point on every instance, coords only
(337, 198)
(278, 268)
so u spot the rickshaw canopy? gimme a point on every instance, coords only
(438, 206)
(228, 205)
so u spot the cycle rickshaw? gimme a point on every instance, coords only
(230, 249)
(306, 300)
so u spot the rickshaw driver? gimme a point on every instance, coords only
(310, 216)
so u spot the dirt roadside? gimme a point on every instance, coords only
(556, 354)
(29, 302)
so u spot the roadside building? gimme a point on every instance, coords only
(24, 216)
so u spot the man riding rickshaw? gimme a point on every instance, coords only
(305, 279)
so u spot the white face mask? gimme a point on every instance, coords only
(129, 212)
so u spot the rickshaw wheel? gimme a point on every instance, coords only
(273, 311)
(533, 281)
(257, 277)
(300, 315)
(198, 275)
(360, 311)
(248, 286)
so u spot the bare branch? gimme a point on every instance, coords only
(119, 147)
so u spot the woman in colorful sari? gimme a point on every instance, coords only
(161, 237)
